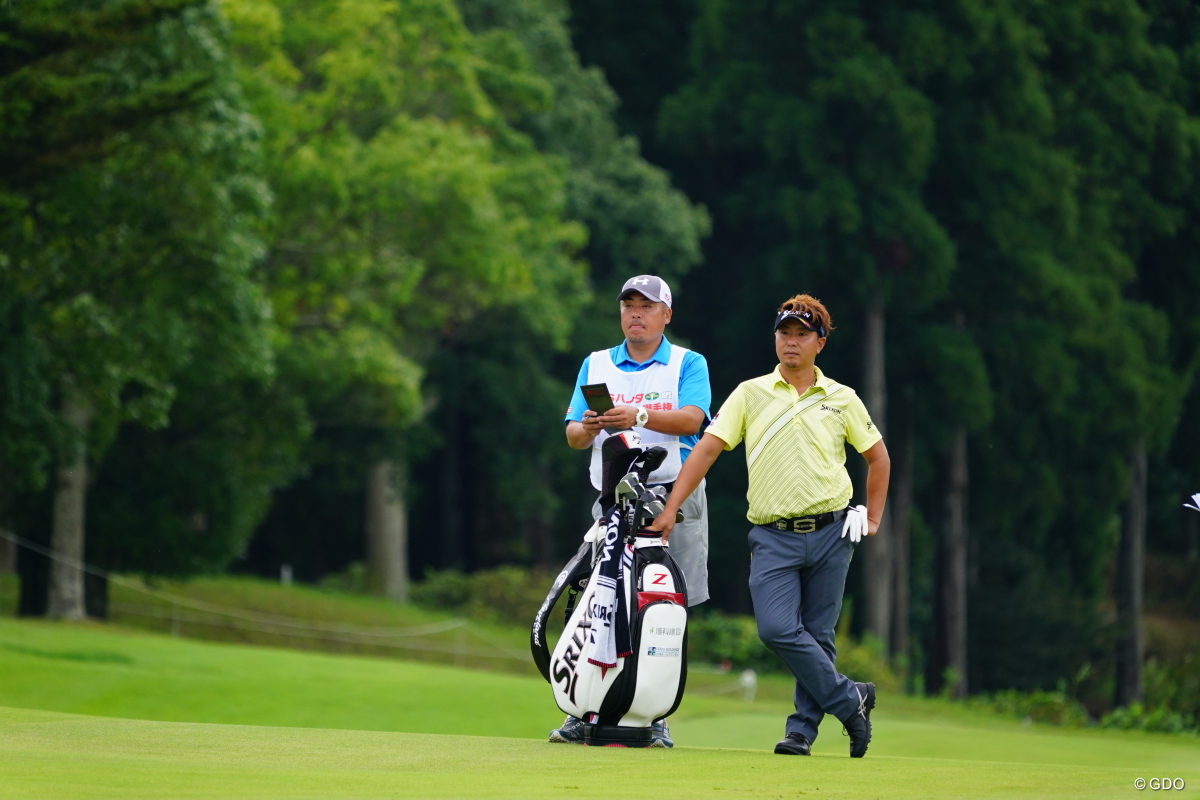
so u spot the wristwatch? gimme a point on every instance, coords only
(643, 416)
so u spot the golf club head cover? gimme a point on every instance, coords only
(650, 460)
(617, 454)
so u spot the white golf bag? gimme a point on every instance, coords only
(619, 699)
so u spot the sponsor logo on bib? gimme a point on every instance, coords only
(662, 652)
(621, 399)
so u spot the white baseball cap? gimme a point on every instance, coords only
(652, 287)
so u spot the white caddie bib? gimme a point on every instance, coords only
(656, 386)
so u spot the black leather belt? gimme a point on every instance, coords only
(807, 524)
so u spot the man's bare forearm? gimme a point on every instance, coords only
(693, 471)
(684, 421)
(578, 437)
(879, 473)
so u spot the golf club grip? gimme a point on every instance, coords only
(678, 519)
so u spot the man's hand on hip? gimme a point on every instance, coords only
(856, 524)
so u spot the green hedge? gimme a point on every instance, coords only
(1171, 702)
(1054, 708)
(728, 639)
(506, 595)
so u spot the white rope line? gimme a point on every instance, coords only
(157, 612)
(712, 691)
(500, 645)
(747, 683)
(274, 620)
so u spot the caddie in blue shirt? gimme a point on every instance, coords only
(661, 390)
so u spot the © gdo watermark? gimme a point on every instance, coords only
(1160, 784)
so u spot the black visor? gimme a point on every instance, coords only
(805, 318)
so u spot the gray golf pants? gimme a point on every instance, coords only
(796, 583)
(689, 544)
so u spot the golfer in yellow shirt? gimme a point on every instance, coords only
(795, 423)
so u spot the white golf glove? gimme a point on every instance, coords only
(1195, 504)
(856, 524)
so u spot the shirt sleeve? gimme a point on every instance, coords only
(729, 425)
(694, 388)
(860, 429)
(578, 404)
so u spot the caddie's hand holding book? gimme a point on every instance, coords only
(597, 397)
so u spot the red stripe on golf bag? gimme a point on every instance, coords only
(646, 598)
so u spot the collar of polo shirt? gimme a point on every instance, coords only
(662, 355)
(821, 382)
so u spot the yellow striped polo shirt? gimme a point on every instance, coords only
(795, 444)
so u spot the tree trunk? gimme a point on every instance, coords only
(1130, 575)
(66, 597)
(954, 564)
(8, 555)
(387, 530)
(877, 552)
(901, 524)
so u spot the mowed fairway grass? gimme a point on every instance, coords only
(216, 720)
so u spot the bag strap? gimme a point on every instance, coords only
(579, 567)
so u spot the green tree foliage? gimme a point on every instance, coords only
(1079, 370)
(68, 88)
(404, 203)
(836, 145)
(634, 217)
(998, 173)
(61, 66)
(1169, 279)
(256, 239)
(411, 214)
(502, 380)
(130, 254)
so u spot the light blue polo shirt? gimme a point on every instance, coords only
(694, 389)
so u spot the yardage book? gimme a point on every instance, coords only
(597, 397)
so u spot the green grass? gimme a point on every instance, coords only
(95, 669)
(60, 756)
(402, 726)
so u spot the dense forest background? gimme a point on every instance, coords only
(308, 284)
